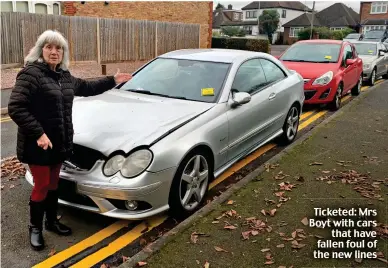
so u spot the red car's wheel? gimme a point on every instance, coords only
(336, 102)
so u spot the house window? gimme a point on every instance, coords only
(294, 31)
(284, 13)
(21, 6)
(6, 6)
(41, 8)
(337, 28)
(236, 16)
(251, 14)
(372, 27)
(248, 29)
(56, 9)
(379, 8)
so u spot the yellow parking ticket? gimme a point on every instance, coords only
(370, 51)
(208, 91)
(328, 57)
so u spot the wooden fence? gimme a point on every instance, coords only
(96, 39)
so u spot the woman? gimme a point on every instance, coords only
(41, 105)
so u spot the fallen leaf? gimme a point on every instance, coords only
(141, 263)
(11, 186)
(358, 260)
(272, 212)
(305, 221)
(52, 252)
(245, 235)
(197, 261)
(263, 212)
(268, 256)
(230, 227)
(326, 171)
(280, 246)
(230, 202)
(383, 260)
(316, 164)
(265, 249)
(215, 222)
(380, 254)
(269, 262)
(207, 264)
(194, 237)
(254, 232)
(125, 258)
(250, 219)
(293, 234)
(220, 249)
(279, 194)
(104, 266)
(282, 267)
(298, 246)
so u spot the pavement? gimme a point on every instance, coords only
(261, 222)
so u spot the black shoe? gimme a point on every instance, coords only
(35, 228)
(52, 224)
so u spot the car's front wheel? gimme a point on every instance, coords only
(190, 184)
(356, 90)
(335, 104)
(290, 127)
(372, 78)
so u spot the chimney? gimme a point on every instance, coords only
(230, 7)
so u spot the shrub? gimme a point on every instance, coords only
(241, 44)
(324, 33)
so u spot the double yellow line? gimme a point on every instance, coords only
(5, 119)
(151, 223)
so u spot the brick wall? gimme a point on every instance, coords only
(365, 12)
(185, 12)
(287, 40)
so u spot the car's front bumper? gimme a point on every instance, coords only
(317, 94)
(96, 193)
(367, 72)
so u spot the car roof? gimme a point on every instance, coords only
(370, 42)
(322, 41)
(213, 55)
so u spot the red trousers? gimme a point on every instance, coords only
(45, 178)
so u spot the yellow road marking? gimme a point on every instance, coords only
(306, 114)
(378, 82)
(119, 243)
(346, 98)
(82, 245)
(6, 119)
(311, 120)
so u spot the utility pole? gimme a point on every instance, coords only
(312, 22)
(258, 20)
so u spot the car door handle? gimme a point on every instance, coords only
(272, 96)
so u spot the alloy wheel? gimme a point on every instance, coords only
(373, 78)
(292, 123)
(194, 182)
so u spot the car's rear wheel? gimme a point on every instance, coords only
(336, 102)
(372, 78)
(385, 76)
(290, 127)
(356, 90)
(190, 184)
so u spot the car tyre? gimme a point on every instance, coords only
(190, 184)
(385, 76)
(335, 104)
(372, 78)
(356, 90)
(290, 127)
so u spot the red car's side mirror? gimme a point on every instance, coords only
(350, 61)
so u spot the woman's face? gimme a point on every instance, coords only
(52, 54)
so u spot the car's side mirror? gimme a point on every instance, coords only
(350, 62)
(382, 53)
(240, 98)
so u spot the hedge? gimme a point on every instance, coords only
(258, 45)
(324, 33)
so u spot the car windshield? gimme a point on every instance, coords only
(352, 36)
(181, 79)
(366, 49)
(374, 34)
(309, 52)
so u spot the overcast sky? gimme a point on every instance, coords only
(319, 5)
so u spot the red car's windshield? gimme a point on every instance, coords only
(308, 52)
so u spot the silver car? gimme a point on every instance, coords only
(155, 142)
(375, 60)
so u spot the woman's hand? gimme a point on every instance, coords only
(44, 142)
(122, 77)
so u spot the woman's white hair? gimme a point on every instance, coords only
(49, 37)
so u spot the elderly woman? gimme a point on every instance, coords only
(41, 105)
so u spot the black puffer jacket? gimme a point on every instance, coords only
(42, 102)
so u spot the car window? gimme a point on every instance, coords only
(366, 49)
(312, 52)
(348, 53)
(250, 77)
(272, 72)
(178, 78)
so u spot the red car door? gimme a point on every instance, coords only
(350, 73)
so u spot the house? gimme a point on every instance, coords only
(223, 16)
(193, 12)
(374, 15)
(288, 10)
(40, 7)
(336, 17)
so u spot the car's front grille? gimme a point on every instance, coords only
(67, 191)
(308, 94)
(84, 157)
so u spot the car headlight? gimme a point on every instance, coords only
(130, 166)
(366, 66)
(324, 79)
(113, 165)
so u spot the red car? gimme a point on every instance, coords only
(330, 69)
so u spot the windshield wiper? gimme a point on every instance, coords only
(155, 94)
(299, 60)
